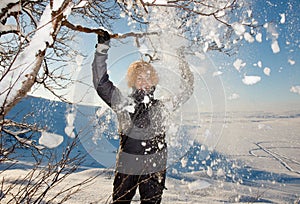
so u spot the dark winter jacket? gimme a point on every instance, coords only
(142, 125)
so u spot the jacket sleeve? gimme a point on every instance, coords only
(186, 82)
(109, 93)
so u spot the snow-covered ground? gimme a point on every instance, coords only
(255, 160)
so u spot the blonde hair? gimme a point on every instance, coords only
(138, 67)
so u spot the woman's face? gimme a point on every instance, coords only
(143, 81)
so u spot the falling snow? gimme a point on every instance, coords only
(267, 71)
(239, 64)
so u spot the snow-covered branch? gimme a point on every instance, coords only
(203, 8)
(22, 140)
(4, 29)
(19, 77)
(8, 7)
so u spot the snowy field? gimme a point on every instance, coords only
(257, 162)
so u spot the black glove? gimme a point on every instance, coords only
(102, 38)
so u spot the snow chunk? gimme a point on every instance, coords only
(259, 64)
(221, 172)
(282, 19)
(248, 37)
(275, 47)
(148, 150)
(271, 30)
(122, 14)
(258, 37)
(183, 162)
(50, 140)
(291, 62)
(69, 130)
(273, 34)
(70, 117)
(238, 64)
(295, 89)
(250, 80)
(198, 185)
(146, 99)
(205, 47)
(238, 28)
(81, 4)
(267, 71)
(160, 145)
(249, 12)
(130, 108)
(209, 171)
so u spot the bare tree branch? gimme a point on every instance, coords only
(100, 31)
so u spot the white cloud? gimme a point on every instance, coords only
(250, 80)
(295, 89)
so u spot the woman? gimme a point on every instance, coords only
(142, 156)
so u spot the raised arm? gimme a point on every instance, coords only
(105, 88)
(186, 81)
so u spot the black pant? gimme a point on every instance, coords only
(151, 187)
